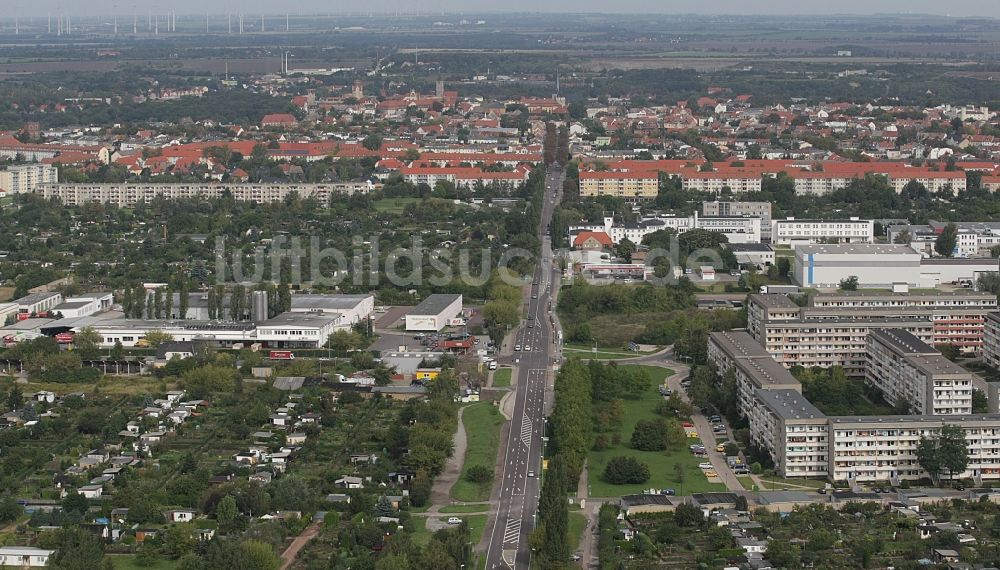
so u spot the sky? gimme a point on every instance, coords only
(961, 8)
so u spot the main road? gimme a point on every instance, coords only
(515, 493)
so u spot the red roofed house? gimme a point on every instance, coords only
(279, 120)
(592, 241)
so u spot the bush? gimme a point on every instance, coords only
(649, 435)
(624, 470)
(601, 443)
(479, 474)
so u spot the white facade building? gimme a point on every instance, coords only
(25, 178)
(434, 313)
(794, 232)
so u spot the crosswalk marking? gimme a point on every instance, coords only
(512, 531)
(526, 431)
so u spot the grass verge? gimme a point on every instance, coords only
(473, 508)
(482, 428)
(501, 378)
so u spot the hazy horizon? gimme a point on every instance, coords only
(956, 8)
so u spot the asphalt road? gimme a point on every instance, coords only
(517, 488)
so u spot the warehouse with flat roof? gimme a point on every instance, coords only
(434, 313)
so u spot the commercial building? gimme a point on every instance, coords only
(907, 370)
(760, 210)
(630, 186)
(351, 308)
(290, 330)
(25, 178)
(434, 313)
(759, 254)
(795, 232)
(37, 302)
(875, 265)
(130, 194)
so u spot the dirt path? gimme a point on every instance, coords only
(288, 556)
(441, 491)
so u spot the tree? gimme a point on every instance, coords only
(87, 341)
(687, 514)
(76, 549)
(15, 399)
(157, 337)
(74, 502)
(479, 474)
(10, 510)
(849, 283)
(117, 351)
(953, 449)
(226, 513)
(903, 238)
(622, 470)
(554, 515)
(649, 435)
(947, 241)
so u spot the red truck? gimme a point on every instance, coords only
(64, 338)
(281, 355)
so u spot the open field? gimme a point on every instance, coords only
(394, 205)
(482, 427)
(577, 525)
(661, 463)
(128, 562)
(476, 524)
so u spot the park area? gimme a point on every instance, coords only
(663, 465)
(482, 427)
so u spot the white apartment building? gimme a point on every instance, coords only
(795, 232)
(630, 186)
(792, 431)
(760, 210)
(25, 178)
(866, 448)
(128, 194)
(905, 369)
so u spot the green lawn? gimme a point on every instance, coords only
(577, 525)
(661, 464)
(421, 535)
(793, 483)
(747, 482)
(482, 427)
(501, 377)
(394, 205)
(472, 508)
(127, 562)
(586, 352)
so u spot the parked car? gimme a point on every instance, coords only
(705, 465)
(711, 473)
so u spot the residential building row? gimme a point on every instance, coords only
(128, 194)
(804, 442)
(833, 329)
(24, 178)
(974, 238)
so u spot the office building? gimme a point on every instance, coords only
(760, 210)
(798, 232)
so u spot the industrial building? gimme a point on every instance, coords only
(434, 313)
(875, 265)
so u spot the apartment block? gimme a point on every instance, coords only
(991, 340)
(792, 431)
(884, 448)
(127, 195)
(760, 210)
(736, 229)
(25, 178)
(630, 186)
(904, 369)
(736, 352)
(792, 231)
